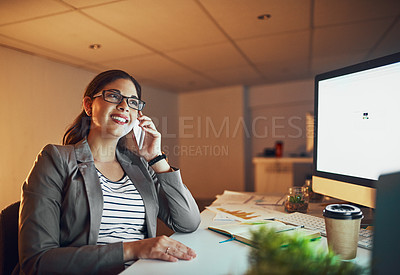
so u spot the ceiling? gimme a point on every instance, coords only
(186, 45)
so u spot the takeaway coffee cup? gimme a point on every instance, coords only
(342, 223)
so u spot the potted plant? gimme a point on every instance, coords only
(297, 200)
(279, 253)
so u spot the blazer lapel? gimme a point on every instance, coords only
(92, 186)
(146, 188)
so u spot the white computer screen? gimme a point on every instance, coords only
(359, 123)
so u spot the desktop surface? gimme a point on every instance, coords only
(212, 257)
(219, 258)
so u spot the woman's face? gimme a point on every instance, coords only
(112, 120)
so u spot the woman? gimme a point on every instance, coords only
(91, 205)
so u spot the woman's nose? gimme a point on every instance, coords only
(123, 106)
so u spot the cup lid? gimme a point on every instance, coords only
(342, 212)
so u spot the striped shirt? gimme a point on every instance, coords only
(123, 216)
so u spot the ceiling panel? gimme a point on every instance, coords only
(390, 42)
(277, 48)
(203, 58)
(339, 12)
(163, 25)
(244, 75)
(20, 10)
(35, 50)
(277, 71)
(72, 33)
(327, 63)
(163, 70)
(239, 20)
(89, 3)
(348, 39)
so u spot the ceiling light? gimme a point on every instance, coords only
(264, 16)
(95, 46)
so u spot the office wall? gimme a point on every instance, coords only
(39, 99)
(278, 112)
(211, 141)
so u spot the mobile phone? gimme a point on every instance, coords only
(139, 134)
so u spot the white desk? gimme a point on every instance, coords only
(212, 257)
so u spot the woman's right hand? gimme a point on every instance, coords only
(162, 248)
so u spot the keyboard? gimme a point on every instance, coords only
(316, 223)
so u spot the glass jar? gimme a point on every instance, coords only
(297, 200)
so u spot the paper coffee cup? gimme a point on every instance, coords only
(342, 223)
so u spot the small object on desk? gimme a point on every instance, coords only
(342, 223)
(365, 238)
(297, 200)
(269, 152)
(291, 228)
(271, 200)
(278, 148)
(249, 199)
(228, 240)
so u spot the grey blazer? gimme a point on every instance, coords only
(62, 205)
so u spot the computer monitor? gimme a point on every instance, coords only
(357, 129)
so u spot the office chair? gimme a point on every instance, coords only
(9, 238)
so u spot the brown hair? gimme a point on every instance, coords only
(81, 125)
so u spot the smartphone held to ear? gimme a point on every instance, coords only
(139, 134)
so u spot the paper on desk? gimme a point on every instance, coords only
(220, 216)
(232, 197)
(241, 212)
(271, 200)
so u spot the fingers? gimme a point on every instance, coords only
(173, 250)
(147, 125)
(181, 255)
(179, 251)
(162, 248)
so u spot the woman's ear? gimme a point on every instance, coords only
(87, 105)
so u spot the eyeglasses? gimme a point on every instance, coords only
(114, 96)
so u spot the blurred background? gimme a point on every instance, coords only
(222, 79)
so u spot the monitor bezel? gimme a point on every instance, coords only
(378, 62)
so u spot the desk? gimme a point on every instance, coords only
(212, 257)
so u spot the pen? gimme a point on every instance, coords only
(249, 199)
(289, 229)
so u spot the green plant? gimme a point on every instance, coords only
(296, 199)
(278, 253)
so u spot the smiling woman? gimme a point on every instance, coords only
(91, 205)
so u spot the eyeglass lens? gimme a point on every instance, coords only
(116, 98)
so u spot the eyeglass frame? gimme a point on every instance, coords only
(118, 92)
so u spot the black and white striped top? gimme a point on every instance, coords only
(123, 212)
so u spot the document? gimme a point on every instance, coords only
(242, 206)
(242, 212)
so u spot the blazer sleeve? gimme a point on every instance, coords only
(40, 251)
(177, 207)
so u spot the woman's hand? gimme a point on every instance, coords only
(151, 146)
(152, 140)
(162, 248)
